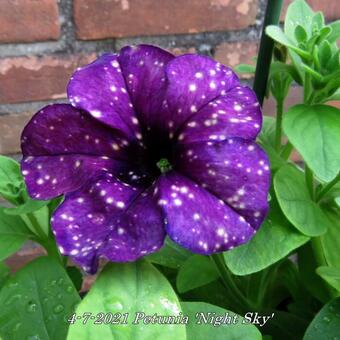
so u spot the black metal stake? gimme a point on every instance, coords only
(272, 17)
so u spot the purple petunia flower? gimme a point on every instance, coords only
(152, 144)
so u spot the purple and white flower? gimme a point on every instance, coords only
(152, 144)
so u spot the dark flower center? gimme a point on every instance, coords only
(154, 159)
(159, 155)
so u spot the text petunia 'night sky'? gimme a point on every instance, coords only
(152, 144)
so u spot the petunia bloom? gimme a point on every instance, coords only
(150, 144)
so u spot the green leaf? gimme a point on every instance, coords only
(300, 34)
(285, 326)
(54, 203)
(267, 140)
(13, 233)
(26, 208)
(296, 204)
(315, 133)
(129, 288)
(331, 275)
(316, 75)
(277, 34)
(245, 68)
(10, 179)
(298, 13)
(36, 302)
(278, 67)
(4, 272)
(334, 63)
(275, 239)
(331, 239)
(76, 276)
(323, 34)
(334, 96)
(311, 281)
(170, 255)
(335, 33)
(325, 53)
(201, 268)
(214, 293)
(326, 324)
(38, 222)
(318, 21)
(202, 331)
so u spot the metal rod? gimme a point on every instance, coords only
(272, 17)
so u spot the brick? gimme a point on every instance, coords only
(33, 78)
(182, 50)
(97, 19)
(234, 53)
(29, 20)
(11, 127)
(294, 97)
(331, 9)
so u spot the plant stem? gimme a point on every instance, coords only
(318, 251)
(48, 243)
(278, 128)
(287, 150)
(36, 226)
(52, 250)
(327, 187)
(309, 181)
(320, 260)
(228, 280)
(307, 88)
(272, 17)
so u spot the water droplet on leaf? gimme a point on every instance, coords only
(16, 327)
(31, 307)
(326, 319)
(58, 309)
(69, 289)
(33, 337)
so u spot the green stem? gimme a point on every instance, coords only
(48, 243)
(327, 187)
(320, 260)
(36, 226)
(278, 128)
(287, 150)
(307, 89)
(309, 176)
(272, 17)
(228, 280)
(52, 250)
(318, 251)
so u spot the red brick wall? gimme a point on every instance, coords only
(43, 41)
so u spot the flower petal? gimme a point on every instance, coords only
(99, 88)
(61, 129)
(50, 176)
(143, 67)
(99, 220)
(236, 170)
(198, 220)
(137, 232)
(194, 81)
(236, 114)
